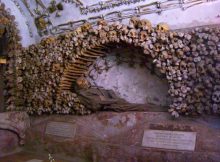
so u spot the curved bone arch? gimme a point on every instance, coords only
(137, 34)
(86, 56)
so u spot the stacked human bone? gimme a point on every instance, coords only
(190, 61)
(199, 88)
(69, 103)
(12, 49)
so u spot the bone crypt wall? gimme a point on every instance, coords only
(9, 49)
(189, 59)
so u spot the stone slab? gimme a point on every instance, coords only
(61, 129)
(164, 139)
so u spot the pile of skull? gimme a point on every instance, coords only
(190, 60)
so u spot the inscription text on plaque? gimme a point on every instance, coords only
(163, 139)
(61, 129)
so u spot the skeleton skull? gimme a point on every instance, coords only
(216, 94)
(82, 83)
(162, 27)
(133, 33)
(165, 55)
(102, 22)
(112, 34)
(183, 65)
(86, 26)
(124, 30)
(143, 36)
(102, 34)
(133, 23)
(157, 47)
(215, 108)
(201, 67)
(145, 24)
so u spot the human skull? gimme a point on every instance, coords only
(102, 22)
(82, 83)
(183, 65)
(163, 27)
(215, 108)
(133, 33)
(124, 30)
(157, 47)
(165, 55)
(133, 23)
(216, 94)
(4, 21)
(201, 67)
(102, 34)
(145, 24)
(86, 26)
(143, 36)
(112, 34)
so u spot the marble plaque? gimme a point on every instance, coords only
(176, 140)
(61, 129)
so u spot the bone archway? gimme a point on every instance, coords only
(154, 42)
(74, 71)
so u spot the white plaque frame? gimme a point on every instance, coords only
(174, 140)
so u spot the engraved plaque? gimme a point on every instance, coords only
(176, 140)
(61, 129)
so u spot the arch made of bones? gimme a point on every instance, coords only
(155, 43)
(51, 66)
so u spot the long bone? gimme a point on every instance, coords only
(87, 55)
(96, 51)
(41, 4)
(76, 71)
(81, 62)
(78, 66)
(86, 59)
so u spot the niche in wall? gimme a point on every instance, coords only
(131, 75)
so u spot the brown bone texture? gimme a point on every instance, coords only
(190, 59)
